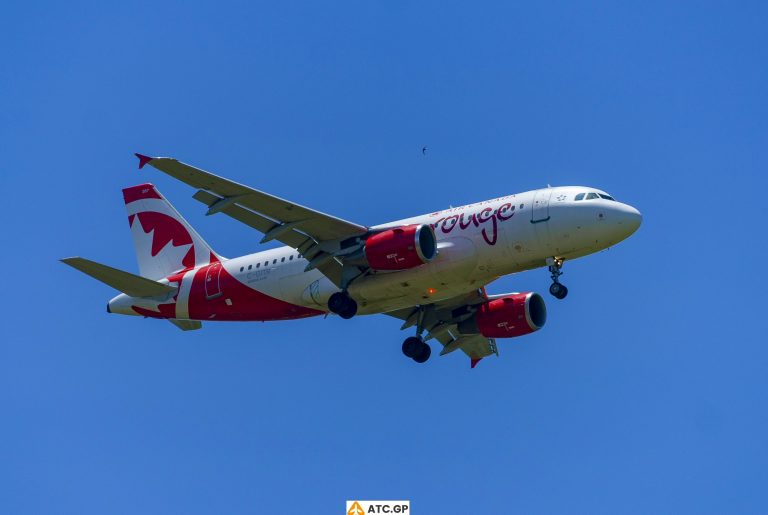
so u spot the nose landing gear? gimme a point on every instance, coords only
(343, 305)
(557, 290)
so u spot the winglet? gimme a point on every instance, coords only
(475, 361)
(143, 159)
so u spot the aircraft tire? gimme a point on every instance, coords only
(412, 346)
(343, 305)
(337, 302)
(424, 353)
(557, 290)
(349, 310)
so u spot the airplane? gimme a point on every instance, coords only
(430, 271)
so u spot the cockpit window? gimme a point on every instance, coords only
(593, 195)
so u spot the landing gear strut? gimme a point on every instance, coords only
(416, 349)
(343, 305)
(559, 291)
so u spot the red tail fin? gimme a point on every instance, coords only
(165, 243)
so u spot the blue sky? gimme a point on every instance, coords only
(646, 391)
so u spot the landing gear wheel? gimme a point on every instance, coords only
(349, 311)
(412, 346)
(415, 348)
(343, 305)
(337, 302)
(559, 291)
(425, 351)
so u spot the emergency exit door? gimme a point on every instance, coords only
(540, 208)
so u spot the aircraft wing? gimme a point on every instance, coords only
(440, 321)
(314, 234)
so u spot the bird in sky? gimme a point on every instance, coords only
(424, 150)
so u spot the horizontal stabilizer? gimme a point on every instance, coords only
(186, 325)
(133, 285)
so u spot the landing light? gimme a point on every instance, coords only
(431, 291)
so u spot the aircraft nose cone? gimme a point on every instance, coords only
(627, 218)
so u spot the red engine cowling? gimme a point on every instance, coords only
(401, 248)
(507, 317)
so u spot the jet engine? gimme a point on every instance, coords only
(514, 315)
(401, 248)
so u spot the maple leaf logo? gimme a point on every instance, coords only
(163, 245)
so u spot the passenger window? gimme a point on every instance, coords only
(258, 265)
(250, 266)
(290, 258)
(242, 268)
(591, 196)
(274, 261)
(282, 260)
(606, 197)
(580, 196)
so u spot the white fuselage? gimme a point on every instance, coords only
(477, 244)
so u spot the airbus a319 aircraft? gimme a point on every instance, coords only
(430, 271)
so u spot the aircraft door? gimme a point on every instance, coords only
(540, 207)
(213, 281)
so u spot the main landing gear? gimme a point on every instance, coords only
(416, 349)
(559, 291)
(343, 305)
